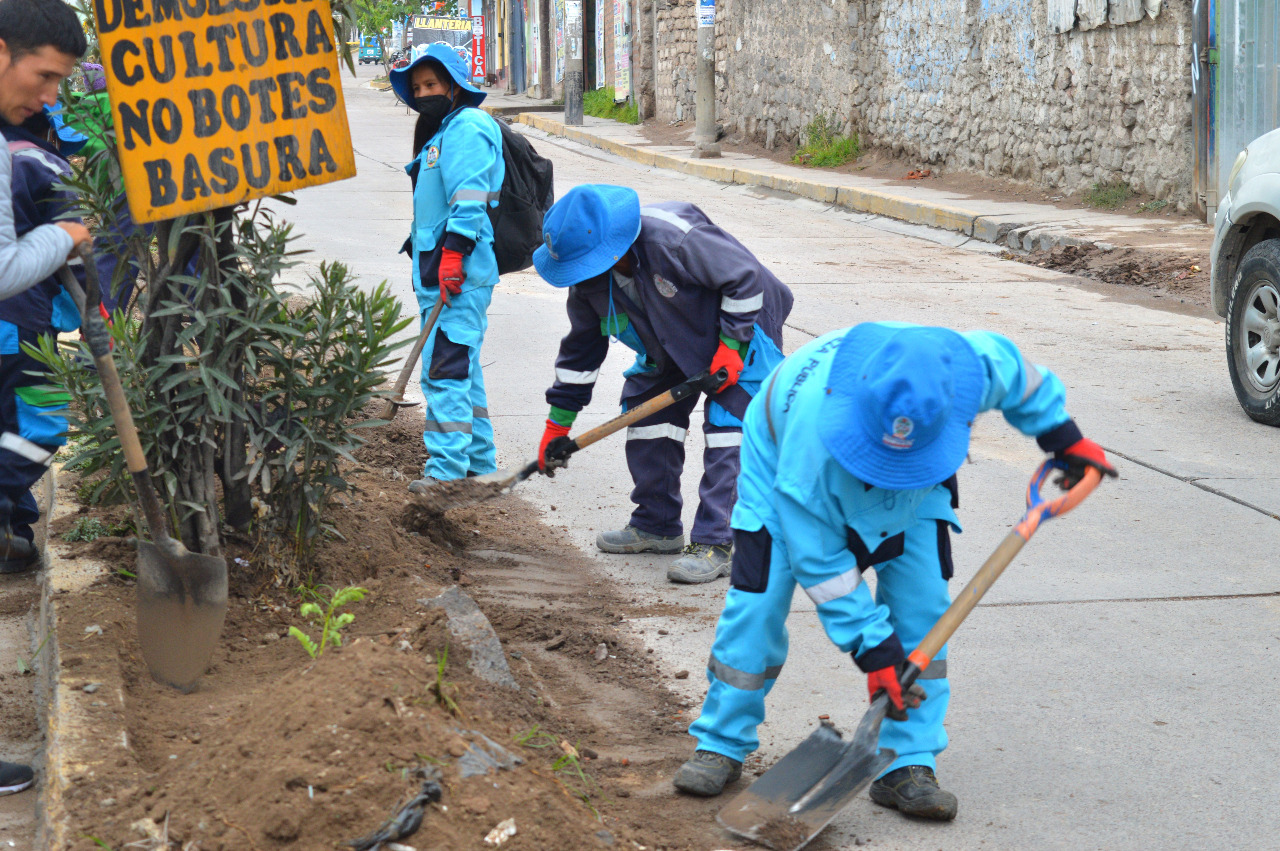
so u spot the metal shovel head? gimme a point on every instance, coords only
(182, 602)
(795, 799)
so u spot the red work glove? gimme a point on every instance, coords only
(553, 432)
(730, 360)
(886, 680)
(451, 274)
(1080, 456)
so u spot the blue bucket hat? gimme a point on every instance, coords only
(441, 54)
(586, 232)
(70, 140)
(900, 402)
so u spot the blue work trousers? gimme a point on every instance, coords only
(31, 429)
(751, 646)
(458, 434)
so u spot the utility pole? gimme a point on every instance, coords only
(573, 62)
(704, 134)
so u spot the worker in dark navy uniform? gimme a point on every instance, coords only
(686, 297)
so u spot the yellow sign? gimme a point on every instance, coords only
(429, 22)
(217, 102)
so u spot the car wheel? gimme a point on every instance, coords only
(1253, 333)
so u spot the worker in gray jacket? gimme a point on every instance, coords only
(686, 297)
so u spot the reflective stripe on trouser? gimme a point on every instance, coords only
(31, 430)
(751, 636)
(457, 433)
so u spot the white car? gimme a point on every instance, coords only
(1244, 279)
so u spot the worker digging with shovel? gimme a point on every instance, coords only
(849, 461)
(687, 298)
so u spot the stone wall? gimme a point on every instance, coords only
(974, 85)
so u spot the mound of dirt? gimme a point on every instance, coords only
(1179, 275)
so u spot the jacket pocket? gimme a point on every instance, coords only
(889, 548)
(944, 549)
(752, 553)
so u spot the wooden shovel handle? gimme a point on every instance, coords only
(1038, 510)
(697, 384)
(410, 362)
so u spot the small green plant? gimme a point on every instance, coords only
(1108, 196)
(25, 667)
(325, 614)
(824, 146)
(601, 104)
(96, 841)
(91, 529)
(442, 688)
(535, 737)
(1153, 206)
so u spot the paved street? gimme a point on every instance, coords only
(1116, 688)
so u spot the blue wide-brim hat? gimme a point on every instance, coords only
(70, 140)
(444, 55)
(586, 232)
(901, 400)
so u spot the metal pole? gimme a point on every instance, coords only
(704, 134)
(573, 62)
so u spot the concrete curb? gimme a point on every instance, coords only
(996, 230)
(81, 730)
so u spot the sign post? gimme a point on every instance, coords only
(704, 100)
(573, 63)
(218, 102)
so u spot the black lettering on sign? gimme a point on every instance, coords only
(317, 38)
(321, 160)
(219, 35)
(236, 108)
(108, 13)
(247, 5)
(193, 182)
(204, 105)
(287, 158)
(160, 178)
(291, 98)
(131, 19)
(327, 97)
(287, 46)
(255, 58)
(259, 180)
(165, 10)
(193, 8)
(119, 51)
(194, 68)
(222, 165)
(134, 122)
(166, 119)
(170, 69)
(263, 89)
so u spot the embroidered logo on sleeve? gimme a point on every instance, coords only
(433, 154)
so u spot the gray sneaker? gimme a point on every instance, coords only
(629, 539)
(707, 774)
(701, 563)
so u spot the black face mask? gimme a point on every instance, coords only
(434, 108)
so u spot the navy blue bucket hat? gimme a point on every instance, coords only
(901, 400)
(586, 232)
(442, 55)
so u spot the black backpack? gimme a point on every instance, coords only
(527, 193)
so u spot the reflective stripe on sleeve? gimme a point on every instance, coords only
(721, 439)
(742, 305)
(655, 431)
(835, 588)
(480, 413)
(19, 445)
(569, 376)
(935, 670)
(1034, 379)
(666, 216)
(445, 428)
(473, 195)
(741, 679)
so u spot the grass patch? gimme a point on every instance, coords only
(1108, 196)
(600, 103)
(824, 146)
(1153, 206)
(91, 529)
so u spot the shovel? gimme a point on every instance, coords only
(182, 596)
(795, 799)
(396, 402)
(454, 494)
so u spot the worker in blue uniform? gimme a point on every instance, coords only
(457, 173)
(686, 297)
(849, 462)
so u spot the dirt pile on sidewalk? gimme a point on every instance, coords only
(1172, 274)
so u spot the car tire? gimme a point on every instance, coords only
(1253, 333)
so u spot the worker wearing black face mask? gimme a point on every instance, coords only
(457, 173)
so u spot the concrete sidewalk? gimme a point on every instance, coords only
(1018, 225)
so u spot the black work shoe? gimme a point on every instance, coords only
(913, 791)
(17, 554)
(707, 774)
(14, 777)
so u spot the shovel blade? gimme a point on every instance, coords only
(182, 602)
(795, 799)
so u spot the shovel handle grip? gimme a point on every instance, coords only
(1038, 511)
(411, 362)
(699, 383)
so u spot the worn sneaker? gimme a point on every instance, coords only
(913, 791)
(14, 777)
(701, 563)
(17, 554)
(423, 485)
(629, 539)
(707, 774)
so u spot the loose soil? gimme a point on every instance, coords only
(275, 750)
(1165, 274)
